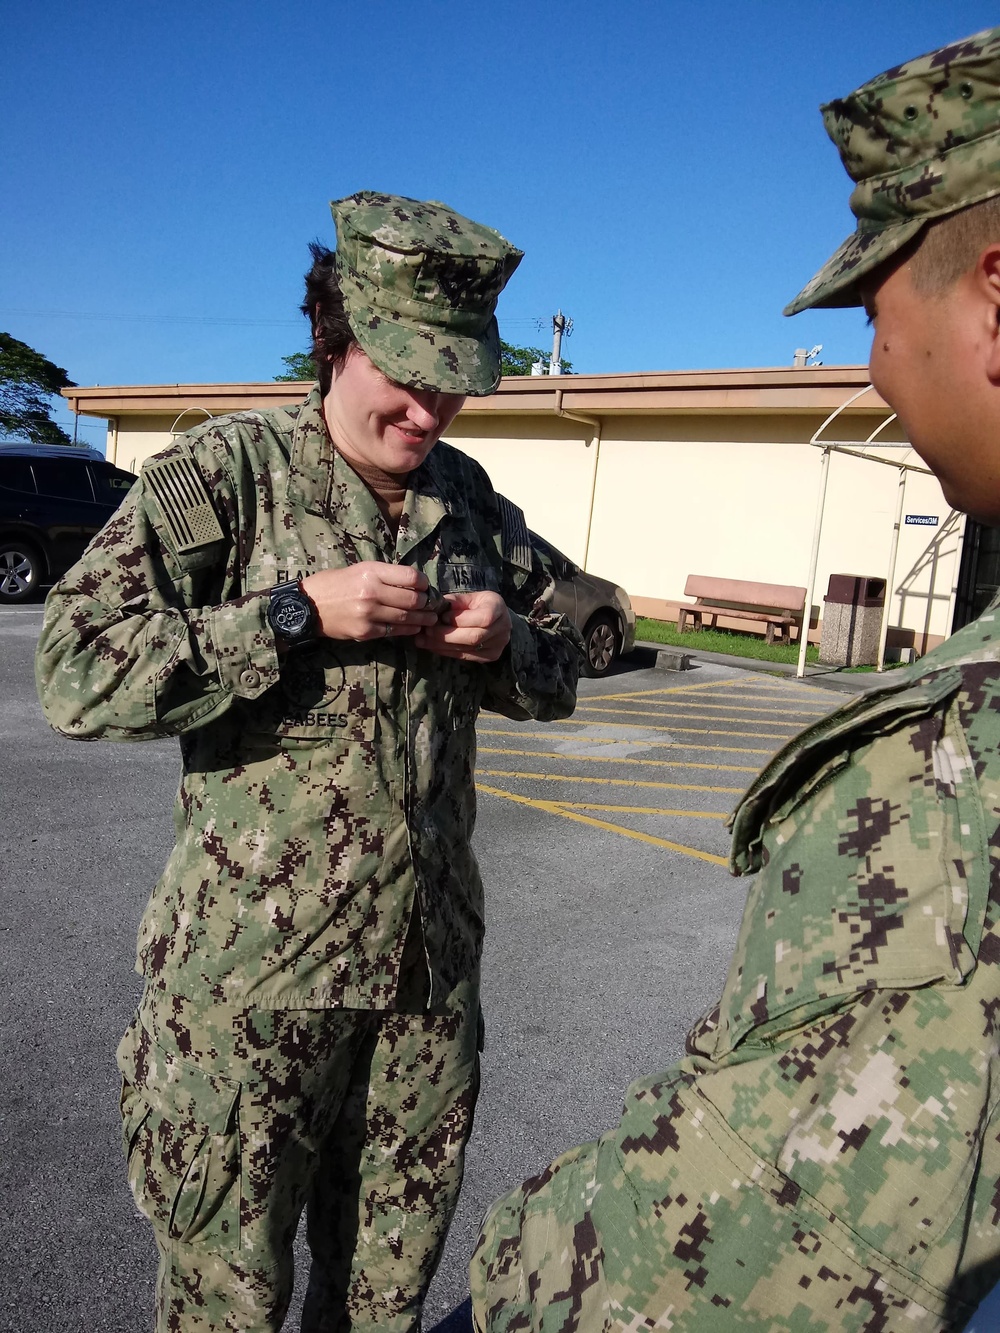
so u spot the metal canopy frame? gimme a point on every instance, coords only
(845, 447)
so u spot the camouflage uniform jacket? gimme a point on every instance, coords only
(324, 793)
(851, 1071)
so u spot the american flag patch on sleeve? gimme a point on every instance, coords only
(514, 531)
(182, 496)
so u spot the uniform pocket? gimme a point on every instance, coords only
(180, 1137)
(871, 881)
(325, 693)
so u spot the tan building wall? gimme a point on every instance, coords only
(664, 508)
(131, 440)
(670, 475)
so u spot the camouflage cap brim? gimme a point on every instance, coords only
(920, 141)
(424, 356)
(836, 284)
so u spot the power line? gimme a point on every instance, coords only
(188, 319)
(153, 319)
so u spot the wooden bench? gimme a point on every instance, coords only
(775, 605)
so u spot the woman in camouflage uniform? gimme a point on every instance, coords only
(317, 600)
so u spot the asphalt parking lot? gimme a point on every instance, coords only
(661, 762)
(611, 917)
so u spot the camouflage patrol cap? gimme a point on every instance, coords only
(420, 285)
(920, 141)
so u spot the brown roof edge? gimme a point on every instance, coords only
(777, 389)
(101, 400)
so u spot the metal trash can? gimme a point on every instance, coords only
(852, 620)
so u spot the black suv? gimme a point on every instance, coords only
(53, 499)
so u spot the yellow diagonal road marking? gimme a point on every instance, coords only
(661, 704)
(549, 732)
(667, 689)
(554, 808)
(707, 731)
(766, 681)
(515, 730)
(770, 719)
(608, 782)
(613, 759)
(777, 691)
(643, 810)
(807, 693)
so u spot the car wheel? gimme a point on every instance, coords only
(20, 571)
(600, 641)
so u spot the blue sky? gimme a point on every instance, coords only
(663, 165)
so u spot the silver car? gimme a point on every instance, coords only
(599, 609)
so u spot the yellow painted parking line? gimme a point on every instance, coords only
(554, 808)
(730, 711)
(547, 735)
(608, 782)
(644, 810)
(806, 693)
(775, 683)
(513, 730)
(768, 689)
(701, 702)
(711, 731)
(821, 701)
(665, 689)
(779, 690)
(612, 759)
(810, 709)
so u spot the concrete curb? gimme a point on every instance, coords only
(671, 658)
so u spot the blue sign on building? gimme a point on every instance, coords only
(922, 520)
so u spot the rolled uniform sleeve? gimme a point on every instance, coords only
(536, 677)
(141, 640)
(537, 674)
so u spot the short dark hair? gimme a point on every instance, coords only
(332, 335)
(949, 246)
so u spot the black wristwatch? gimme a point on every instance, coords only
(290, 613)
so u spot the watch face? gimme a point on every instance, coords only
(290, 615)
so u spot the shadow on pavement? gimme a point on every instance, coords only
(459, 1321)
(641, 658)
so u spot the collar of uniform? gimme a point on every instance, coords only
(909, 692)
(322, 482)
(310, 465)
(433, 493)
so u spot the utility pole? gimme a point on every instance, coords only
(560, 325)
(806, 357)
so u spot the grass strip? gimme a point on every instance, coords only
(721, 641)
(733, 644)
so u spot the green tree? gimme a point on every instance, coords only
(27, 381)
(298, 366)
(513, 361)
(519, 360)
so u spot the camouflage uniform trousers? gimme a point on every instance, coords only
(234, 1120)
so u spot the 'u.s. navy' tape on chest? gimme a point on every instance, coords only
(514, 530)
(179, 490)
